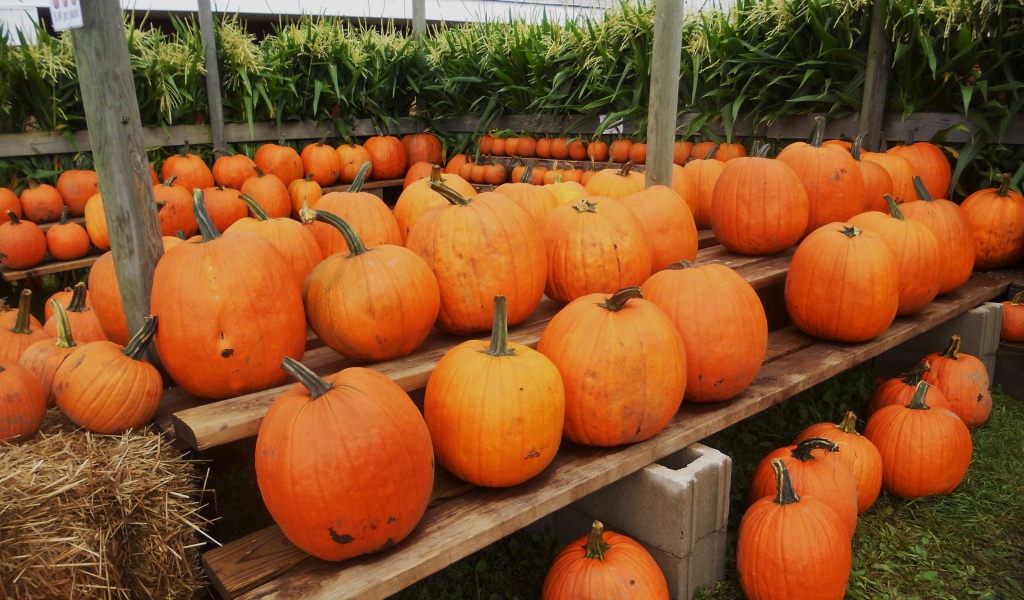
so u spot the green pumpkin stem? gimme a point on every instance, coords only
(314, 383)
(583, 205)
(23, 323)
(77, 303)
(206, 226)
(858, 142)
(355, 245)
(180, 235)
(357, 183)
(953, 351)
(679, 265)
(617, 301)
(803, 449)
(1004, 188)
(922, 192)
(320, 144)
(137, 345)
(818, 134)
(64, 216)
(596, 546)
(527, 174)
(309, 177)
(259, 171)
(920, 395)
(499, 330)
(13, 217)
(452, 196)
(783, 483)
(851, 231)
(894, 209)
(170, 180)
(254, 206)
(849, 423)
(913, 376)
(1017, 299)
(184, 150)
(64, 337)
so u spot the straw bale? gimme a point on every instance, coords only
(98, 516)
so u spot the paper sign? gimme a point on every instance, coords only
(614, 129)
(66, 14)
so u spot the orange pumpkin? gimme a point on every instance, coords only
(616, 183)
(1012, 329)
(900, 171)
(44, 357)
(372, 220)
(877, 181)
(638, 153)
(485, 143)
(996, 216)
(929, 163)
(418, 198)
(175, 209)
(597, 151)
(538, 200)
(527, 147)
(668, 223)
(704, 174)
(566, 192)
(322, 162)
(270, 192)
(22, 403)
(75, 187)
(856, 452)
(419, 170)
(83, 321)
(296, 244)
(9, 202)
(230, 170)
(681, 151)
(729, 151)
(387, 155)
(22, 243)
(304, 193)
(41, 203)
(618, 150)
(899, 391)
(281, 161)
(190, 170)
(23, 333)
(422, 147)
(353, 157)
(950, 225)
(64, 297)
(224, 207)
(96, 222)
(963, 380)
(703, 150)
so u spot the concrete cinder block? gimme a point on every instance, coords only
(979, 336)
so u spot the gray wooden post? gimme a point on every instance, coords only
(213, 96)
(661, 116)
(876, 78)
(419, 33)
(115, 133)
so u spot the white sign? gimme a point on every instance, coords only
(66, 14)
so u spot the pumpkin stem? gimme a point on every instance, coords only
(803, 449)
(617, 301)
(141, 339)
(783, 483)
(624, 171)
(499, 330)
(452, 196)
(357, 183)
(527, 173)
(170, 180)
(180, 235)
(711, 153)
(64, 216)
(259, 171)
(13, 217)
(1004, 188)
(953, 351)
(858, 142)
(1017, 299)
(596, 546)
(355, 245)
(849, 423)
(184, 150)
(679, 265)
(309, 177)
(22, 324)
(314, 383)
(818, 134)
(320, 144)
(582, 206)
(762, 151)
(206, 226)
(77, 303)
(922, 192)
(910, 138)
(851, 231)
(894, 209)
(558, 178)
(913, 376)
(254, 206)
(920, 395)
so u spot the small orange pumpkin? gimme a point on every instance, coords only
(279, 160)
(175, 209)
(963, 380)
(304, 193)
(615, 183)
(231, 170)
(44, 357)
(76, 186)
(270, 192)
(22, 403)
(353, 157)
(996, 216)
(9, 202)
(82, 319)
(22, 243)
(1012, 329)
(856, 452)
(321, 162)
(419, 197)
(41, 203)
(899, 391)
(190, 170)
(387, 155)
(23, 333)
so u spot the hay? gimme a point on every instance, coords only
(98, 516)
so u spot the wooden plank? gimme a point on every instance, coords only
(48, 268)
(369, 185)
(876, 78)
(470, 522)
(664, 95)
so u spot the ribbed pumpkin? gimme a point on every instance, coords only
(729, 151)
(270, 192)
(538, 200)
(387, 155)
(759, 206)
(929, 163)
(84, 324)
(67, 241)
(371, 304)
(480, 247)
(792, 546)
(681, 151)
(75, 187)
(352, 156)
(816, 470)
(304, 193)
(494, 409)
(43, 357)
(22, 243)
(371, 490)
(96, 222)
(295, 243)
(684, 185)
(950, 225)
(321, 162)
(417, 171)
(899, 391)
(832, 179)
(9, 202)
(230, 311)
(528, 147)
(231, 170)
(877, 181)
(597, 151)
(280, 160)
(22, 403)
(1012, 329)
(704, 173)
(615, 183)
(23, 333)
(594, 246)
(721, 321)
(566, 192)
(422, 147)
(604, 565)
(964, 381)
(900, 171)
(618, 150)
(175, 209)
(856, 452)
(623, 365)
(842, 284)
(996, 216)
(668, 223)
(64, 297)
(371, 219)
(925, 450)
(190, 170)
(917, 252)
(703, 150)
(577, 150)
(107, 388)
(224, 206)
(41, 203)
(638, 153)
(419, 197)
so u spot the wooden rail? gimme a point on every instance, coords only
(49, 268)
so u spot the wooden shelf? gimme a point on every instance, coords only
(48, 268)
(369, 185)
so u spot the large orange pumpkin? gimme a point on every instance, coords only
(190, 170)
(14, 339)
(370, 304)
(623, 365)
(76, 186)
(668, 223)
(230, 311)
(280, 160)
(83, 321)
(41, 203)
(856, 452)
(231, 170)
(387, 155)
(295, 243)
(270, 192)
(842, 284)
(929, 163)
(900, 171)
(44, 357)
(371, 219)
(22, 243)
(950, 225)
(964, 381)
(481, 392)
(996, 216)
(422, 147)
(64, 297)
(174, 204)
(419, 197)
(371, 490)
(22, 403)
(607, 565)
(615, 183)
(722, 323)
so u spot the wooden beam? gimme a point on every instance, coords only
(213, 96)
(115, 128)
(664, 101)
(49, 268)
(876, 78)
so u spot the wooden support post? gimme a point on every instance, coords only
(661, 116)
(419, 33)
(876, 78)
(213, 97)
(115, 130)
